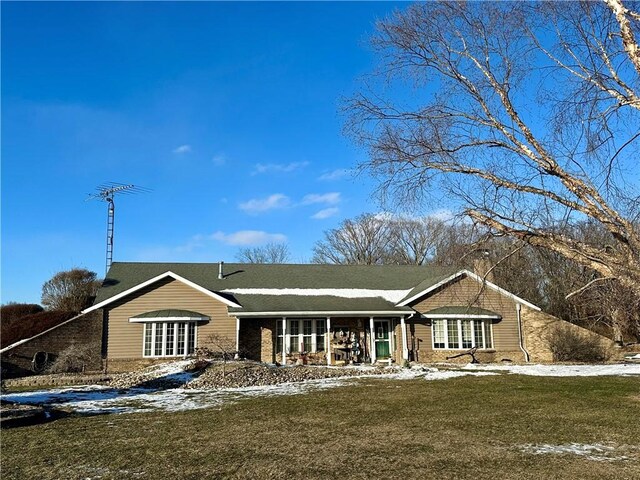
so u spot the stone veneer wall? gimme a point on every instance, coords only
(81, 330)
(536, 328)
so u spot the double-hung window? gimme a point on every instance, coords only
(461, 333)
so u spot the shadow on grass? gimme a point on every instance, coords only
(12, 418)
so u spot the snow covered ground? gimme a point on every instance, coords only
(617, 369)
(103, 399)
(597, 451)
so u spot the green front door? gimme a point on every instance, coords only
(381, 329)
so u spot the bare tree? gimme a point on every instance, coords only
(269, 253)
(219, 347)
(526, 114)
(365, 240)
(415, 240)
(71, 290)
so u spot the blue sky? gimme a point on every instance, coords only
(229, 112)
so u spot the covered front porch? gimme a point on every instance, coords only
(326, 340)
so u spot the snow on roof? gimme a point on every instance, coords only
(390, 295)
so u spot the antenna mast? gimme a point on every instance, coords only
(106, 193)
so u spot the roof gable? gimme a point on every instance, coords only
(419, 293)
(155, 279)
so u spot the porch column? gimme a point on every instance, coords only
(327, 340)
(237, 354)
(403, 330)
(186, 339)
(372, 340)
(284, 340)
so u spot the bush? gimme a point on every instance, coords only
(73, 359)
(16, 311)
(569, 344)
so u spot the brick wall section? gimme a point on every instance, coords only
(82, 330)
(250, 338)
(536, 327)
(267, 334)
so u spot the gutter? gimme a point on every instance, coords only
(520, 339)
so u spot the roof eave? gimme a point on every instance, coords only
(322, 313)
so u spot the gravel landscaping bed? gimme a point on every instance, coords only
(212, 375)
(254, 374)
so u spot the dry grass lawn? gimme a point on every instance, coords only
(470, 427)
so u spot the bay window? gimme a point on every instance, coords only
(169, 339)
(461, 334)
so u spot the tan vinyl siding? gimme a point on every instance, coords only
(125, 338)
(467, 292)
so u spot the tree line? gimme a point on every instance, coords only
(541, 276)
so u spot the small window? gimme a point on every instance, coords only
(321, 330)
(439, 340)
(157, 351)
(170, 337)
(294, 341)
(452, 334)
(148, 335)
(467, 341)
(487, 334)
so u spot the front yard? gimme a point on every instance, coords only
(499, 426)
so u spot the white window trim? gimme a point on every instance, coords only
(391, 339)
(153, 326)
(167, 319)
(483, 318)
(286, 338)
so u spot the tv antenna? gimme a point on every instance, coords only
(106, 192)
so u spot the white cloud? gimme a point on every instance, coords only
(219, 160)
(248, 237)
(331, 198)
(326, 213)
(334, 175)
(278, 167)
(443, 214)
(258, 205)
(182, 149)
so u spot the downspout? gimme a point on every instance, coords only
(520, 338)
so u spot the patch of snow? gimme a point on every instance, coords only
(596, 451)
(390, 295)
(447, 374)
(618, 369)
(635, 357)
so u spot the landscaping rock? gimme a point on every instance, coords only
(213, 375)
(254, 374)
